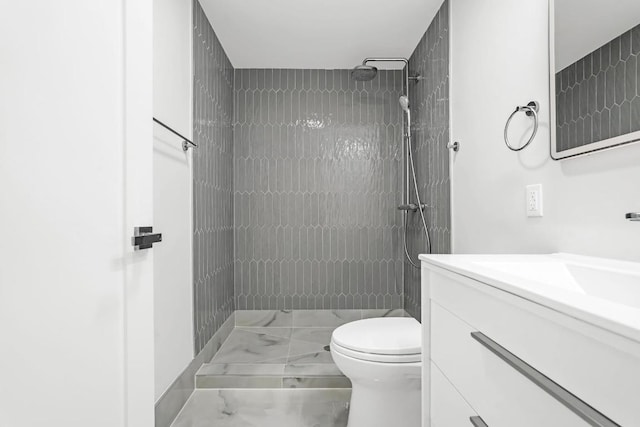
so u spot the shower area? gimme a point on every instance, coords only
(314, 192)
(323, 181)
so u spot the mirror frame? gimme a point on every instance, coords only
(605, 144)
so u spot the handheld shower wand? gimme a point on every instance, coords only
(404, 104)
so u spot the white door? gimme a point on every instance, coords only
(76, 302)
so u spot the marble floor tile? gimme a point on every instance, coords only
(312, 370)
(249, 347)
(264, 318)
(262, 369)
(302, 352)
(316, 382)
(266, 408)
(324, 318)
(282, 332)
(174, 398)
(240, 375)
(243, 381)
(314, 335)
(278, 357)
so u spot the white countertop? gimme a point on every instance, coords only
(603, 292)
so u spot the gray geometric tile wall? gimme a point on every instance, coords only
(429, 100)
(598, 97)
(213, 298)
(317, 178)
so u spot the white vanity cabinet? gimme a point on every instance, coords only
(508, 361)
(448, 406)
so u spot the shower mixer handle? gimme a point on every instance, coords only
(412, 207)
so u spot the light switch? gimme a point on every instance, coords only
(534, 200)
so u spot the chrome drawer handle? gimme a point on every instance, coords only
(478, 422)
(562, 395)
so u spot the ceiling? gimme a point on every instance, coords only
(328, 34)
(582, 26)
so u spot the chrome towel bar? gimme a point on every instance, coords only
(185, 141)
(478, 422)
(531, 109)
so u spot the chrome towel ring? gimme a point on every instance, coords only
(531, 109)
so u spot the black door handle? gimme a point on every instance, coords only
(144, 238)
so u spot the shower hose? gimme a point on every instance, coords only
(420, 210)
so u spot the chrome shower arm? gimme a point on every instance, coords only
(394, 59)
(382, 59)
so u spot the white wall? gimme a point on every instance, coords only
(75, 300)
(500, 59)
(172, 104)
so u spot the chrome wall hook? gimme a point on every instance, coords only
(531, 109)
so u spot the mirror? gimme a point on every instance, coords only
(595, 75)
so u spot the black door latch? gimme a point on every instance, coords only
(143, 238)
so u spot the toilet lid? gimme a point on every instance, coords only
(385, 335)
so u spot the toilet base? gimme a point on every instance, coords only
(385, 371)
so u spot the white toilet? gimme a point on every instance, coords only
(383, 359)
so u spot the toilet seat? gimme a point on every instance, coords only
(383, 340)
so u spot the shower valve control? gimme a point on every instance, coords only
(412, 207)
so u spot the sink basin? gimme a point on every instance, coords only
(622, 287)
(603, 292)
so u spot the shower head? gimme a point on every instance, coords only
(364, 73)
(404, 103)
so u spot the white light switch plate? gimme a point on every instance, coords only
(534, 200)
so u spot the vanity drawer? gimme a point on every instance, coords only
(499, 393)
(448, 408)
(599, 367)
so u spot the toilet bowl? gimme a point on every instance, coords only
(383, 359)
